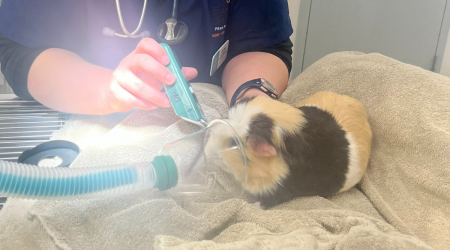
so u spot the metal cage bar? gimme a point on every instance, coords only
(23, 125)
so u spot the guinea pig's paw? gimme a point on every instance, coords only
(258, 205)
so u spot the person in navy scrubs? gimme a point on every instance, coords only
(55, 52)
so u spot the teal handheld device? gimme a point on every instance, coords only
(181, 94)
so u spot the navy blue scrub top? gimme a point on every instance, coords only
(249, 25)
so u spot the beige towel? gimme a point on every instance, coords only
(408, 178)
(403, 205)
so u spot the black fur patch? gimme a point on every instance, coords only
(260, 128)
(317, 156)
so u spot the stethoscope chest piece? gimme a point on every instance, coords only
(172, 31)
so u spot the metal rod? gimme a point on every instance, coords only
(30, 108)
(9, 159)
(58, 117)
(18, 119)
(16, 123)
(4, 155)
(11, 142)
(40, 137)
(10, 154)
(35, 115)
(16, 101)
(20, 145)
(25, 123)
(13, 148)
(8, 133)
(55, 126)
(31, 111)
(30, 135)
(21, 104)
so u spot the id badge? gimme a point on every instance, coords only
(219, 57)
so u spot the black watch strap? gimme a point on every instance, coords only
(255, 83)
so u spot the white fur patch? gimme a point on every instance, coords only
(354, 171)
(240, 117)
(310, 105)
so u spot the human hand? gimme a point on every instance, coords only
(138, 80)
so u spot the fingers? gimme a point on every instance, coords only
(151, 58)
(152, 81)
(122, 100)
(141, 76)
(137, 87)
(147, 64)
(154, 49)
(189, 73)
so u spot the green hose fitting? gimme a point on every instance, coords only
(166, 172)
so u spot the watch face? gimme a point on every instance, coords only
(268, 85)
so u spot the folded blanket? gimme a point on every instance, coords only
(401, 203)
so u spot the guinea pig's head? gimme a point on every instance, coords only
(261, 124)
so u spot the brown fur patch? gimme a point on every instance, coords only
(288, 119)
(263, 174)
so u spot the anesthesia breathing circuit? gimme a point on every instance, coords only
(171, 170)
(29, 181)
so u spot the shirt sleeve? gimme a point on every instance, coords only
(29, 27)
(16, 61)
(257, 25)
(283, 51)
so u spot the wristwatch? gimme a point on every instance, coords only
(259, 83)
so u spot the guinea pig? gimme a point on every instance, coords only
(320, 147)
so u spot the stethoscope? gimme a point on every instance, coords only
(175, 31)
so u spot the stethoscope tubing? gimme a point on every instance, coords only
(175, 9)
(169, 26)
(122, 24)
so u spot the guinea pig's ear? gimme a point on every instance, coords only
(261, 147)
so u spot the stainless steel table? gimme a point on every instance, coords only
(23, 125)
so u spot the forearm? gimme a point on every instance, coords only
(63, 81)
(251, 65)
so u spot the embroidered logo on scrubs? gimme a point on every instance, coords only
(220, 14)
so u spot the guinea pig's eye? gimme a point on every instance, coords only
(232, 143)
